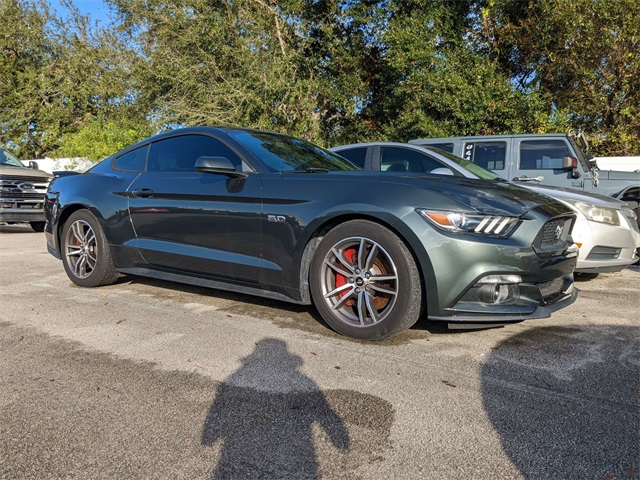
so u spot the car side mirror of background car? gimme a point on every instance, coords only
(571, 163)
(221, 165)
(441, 171)
(33, 165)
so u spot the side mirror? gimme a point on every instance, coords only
(441, 171)
(33, 165)
(569, 162)
(220, 165)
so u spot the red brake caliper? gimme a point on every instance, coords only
(350, 255)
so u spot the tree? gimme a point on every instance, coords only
(55, 74)
(294, 66)
(97, 138)
(441, 84)
(582, 56)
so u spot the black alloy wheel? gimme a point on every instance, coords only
(85, 251)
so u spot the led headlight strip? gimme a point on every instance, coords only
(462, 222)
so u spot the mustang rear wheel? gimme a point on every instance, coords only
(85, 251)
(364, 281)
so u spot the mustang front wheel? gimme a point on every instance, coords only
(364, 281)
(85, 251)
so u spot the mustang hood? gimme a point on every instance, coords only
(486, 196)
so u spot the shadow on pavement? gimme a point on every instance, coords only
(266, 412)
(565, 401)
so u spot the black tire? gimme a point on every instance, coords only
(37, 226)
(370, 295)
(85, 251)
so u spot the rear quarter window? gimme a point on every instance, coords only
(488, 155)
(132, 161)
(356, 156)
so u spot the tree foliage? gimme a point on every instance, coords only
(443, 85)
(331, 71)
(296, 66)
(581, 56)
(97, 138)
(55, 75)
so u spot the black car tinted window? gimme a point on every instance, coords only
(133, 160)
(542, 154)
(179, 154)
(355, 155)
(489, 155)
(397, 159)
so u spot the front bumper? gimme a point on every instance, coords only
(22, 214)
(497, 318)
(605, 248)
(532, 282)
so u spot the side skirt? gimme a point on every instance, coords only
(204, 282)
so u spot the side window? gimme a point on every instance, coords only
(132, 161)
(542, 154)
(489, 155)
(179, 154)
(396, 159)
(356, 156)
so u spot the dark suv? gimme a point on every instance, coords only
(22, 191)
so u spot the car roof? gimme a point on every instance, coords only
(529, 136)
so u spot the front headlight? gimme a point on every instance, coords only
(463, 222)
(598, 214)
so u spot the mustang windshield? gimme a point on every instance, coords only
(280, 153)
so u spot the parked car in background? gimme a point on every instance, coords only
(606, 230)
(275, 216)
(557, 159)
(22, 191)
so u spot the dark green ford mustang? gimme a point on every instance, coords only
(271, 215)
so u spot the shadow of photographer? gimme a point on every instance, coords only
(263, 415)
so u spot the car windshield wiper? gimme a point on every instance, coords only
(308, 170)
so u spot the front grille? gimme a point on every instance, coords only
(17, 179)
(21, 195)
(553, 237)
(631, 220)
(22, 188)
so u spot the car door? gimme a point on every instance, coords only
(543, 158)
(205, 223)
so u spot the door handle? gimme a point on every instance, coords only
(524, 178)
(142, 192)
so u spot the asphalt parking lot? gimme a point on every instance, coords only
(147, 379)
